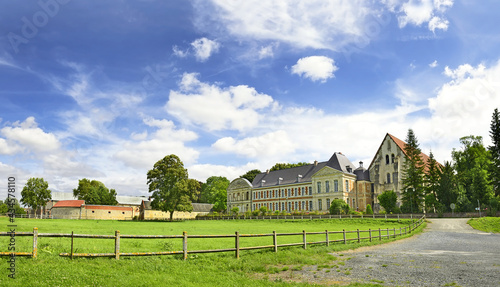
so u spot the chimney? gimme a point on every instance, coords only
(267, 171)
(349, 169)
(360, 164)
(299, 177)
(315, 163)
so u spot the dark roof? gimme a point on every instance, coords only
(362, 173)
(338, 161)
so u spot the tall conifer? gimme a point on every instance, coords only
(495, 152)
(413, 175)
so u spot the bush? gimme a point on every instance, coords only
(493, 206)
(263, 210)
(369, 209)
(388, 200)
(235, 210)
(255, 213)
(338, 206)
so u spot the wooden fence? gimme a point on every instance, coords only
(306, 216)
(370, 234)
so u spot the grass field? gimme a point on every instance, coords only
(488, 224)
(219, 269)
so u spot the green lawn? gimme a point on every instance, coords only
(216, 269)
(488, 224)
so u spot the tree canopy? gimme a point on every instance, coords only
(413, 175)
(338, 206)
(36, 193)
(4, 206)
(95, 192)
(388, 200)
(172, 189)
(280, 166)
(215, 191)
(250, 175)
(495, 152)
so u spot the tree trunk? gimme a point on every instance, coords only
(172, 215)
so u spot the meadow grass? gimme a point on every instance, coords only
(220, 269)
(488, 224)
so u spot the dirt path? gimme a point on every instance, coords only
(448, 253)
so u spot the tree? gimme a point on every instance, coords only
(280, 166)
(388, 200)
(369, 209)
(215, 191)
(250, 175)
(447, 190)
(495, 152)
(95, 192)
(5, 208)
(413, 175)
(431, 181)
(338, 206)
(235, 210)
(36, 193)
(472, 164)
(172, 189)
(263, 210)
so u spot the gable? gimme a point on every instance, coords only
(326, 171)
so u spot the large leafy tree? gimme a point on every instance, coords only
(388, 200)
(172, 189)
(495, 152)
(472, 164)
(215, 191)
(95, 192)
(447, 190)
(280, 166)
(250, 175)
(36, 193)
(431, 181)
(413, 175)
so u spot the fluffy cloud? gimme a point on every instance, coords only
(216, 108)
(316, 68)
(204, 48)
(418, 12)
(27, 136)
(307, 24)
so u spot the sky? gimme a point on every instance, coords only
(104, 89)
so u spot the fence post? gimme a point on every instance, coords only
(398, 217)
(386, 217)
(379, 234)
(184, 245)
(345, 240)
(358, 236)
(117, 244)
(394, 229)
(71, 245)
(388, 233)
(370, 232)
(327, 239)
(275, 241)
(237, 244)
(361, 216)
(35, 242)
(304, 237)
(373, 215)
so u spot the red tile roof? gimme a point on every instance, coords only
(401, 144)
(69, 203)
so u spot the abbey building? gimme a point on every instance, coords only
(313, 187)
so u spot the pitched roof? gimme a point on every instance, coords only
(69, 203)
(338, 161)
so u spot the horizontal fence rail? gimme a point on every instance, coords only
(370, 234)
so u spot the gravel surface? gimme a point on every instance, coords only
(448, 253)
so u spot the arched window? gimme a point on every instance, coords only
(388, 178)
(392, 158)
(386, 159)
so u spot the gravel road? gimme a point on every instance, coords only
(448, 253)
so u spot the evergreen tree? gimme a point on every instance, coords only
(495, 152)
(413, 176)
(447, 191)
(432, 184)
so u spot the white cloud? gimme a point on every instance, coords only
(179, 53)
(216, 108)
(204, 48)
(316, 68)
(465, 71)
(28, 136)
(266, 52)
(418, 12)
(304, 24)
(433, 64)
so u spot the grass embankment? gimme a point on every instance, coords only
(487, 224)
(216, 269)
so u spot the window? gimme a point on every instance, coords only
(92, 211)
(386, 159)
(254, 207)
(292, 192)
(296, 192)
(319, 187)
(289, 206)
(109, 211)
(353, 203)
(347, 186)
(388, 178)
(310, 205)
(336, 186)
(392, 158)
(123, 212)
(282, 206)
(320, 207)
(327, 203)
(303, 191)
(310, 190)
(296, 205)
(304, 205)
(327, 186)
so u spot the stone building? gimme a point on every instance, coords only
(387, 166)
(77, 209)
(305, 188)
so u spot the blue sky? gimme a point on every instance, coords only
(103, 90)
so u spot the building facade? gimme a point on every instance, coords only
(305, 188)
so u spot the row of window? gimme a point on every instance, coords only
(280, 193)
(387, 158)
(394, 177)
(290, 206)
(335, 186)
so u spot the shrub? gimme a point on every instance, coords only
(263, 210)
(369, 209)
(338, 206)
(255, 213)
(235, 210)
